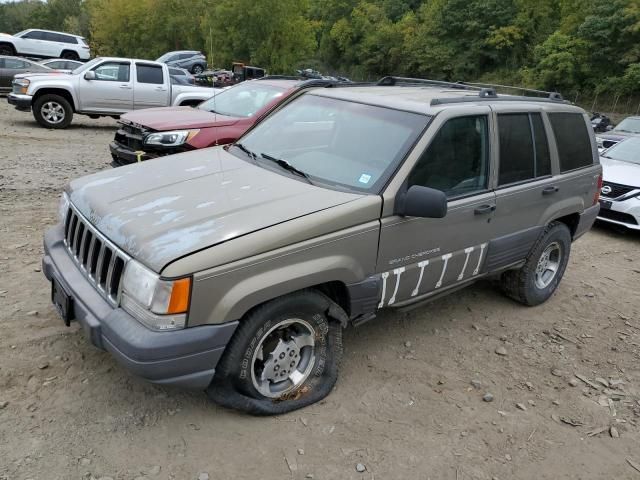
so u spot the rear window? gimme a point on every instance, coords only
(524, 152)
(149, 74)
(572, 139)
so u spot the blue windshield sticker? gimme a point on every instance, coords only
(364, 178)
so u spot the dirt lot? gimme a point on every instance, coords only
(409, 403)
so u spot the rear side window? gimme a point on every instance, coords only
(14, 63)
(572, 139)
(457, 160)
(524, 151)
(149, 74)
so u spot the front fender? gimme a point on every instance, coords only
(190, 96)
(50, 87)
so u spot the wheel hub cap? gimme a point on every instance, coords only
(548, 265)
(52, 112)
(284, 358)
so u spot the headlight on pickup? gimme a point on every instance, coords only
(170, 139)
(21, 85)
(159, 304)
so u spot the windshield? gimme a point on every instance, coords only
(86, 66)
(164, 57)
(336, 142)
(243, 100)
(626, 151)
(629, 125)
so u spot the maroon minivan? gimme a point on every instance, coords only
(153, 132)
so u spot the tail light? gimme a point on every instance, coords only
(599, 187)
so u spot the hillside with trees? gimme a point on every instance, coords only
(579, 47)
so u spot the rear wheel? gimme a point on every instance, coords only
(283, 356)
(7, 49)
(52, 111)
(69, 55)
(544, 267)
(197, 69)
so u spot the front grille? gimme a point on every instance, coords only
(617, 216)
(130, 136)
(617, 190)
(100, 260)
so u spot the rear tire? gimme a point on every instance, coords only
(7, 49)
(52, 111)
(197, 69)
(544, 267)
(284, 355)
(69, 55)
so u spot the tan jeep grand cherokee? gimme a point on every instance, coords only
(234, 269)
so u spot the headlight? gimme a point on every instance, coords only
(63, 207)
(158, 304)
(170, 139)
(22, 84)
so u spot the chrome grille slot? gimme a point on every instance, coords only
(100, 260)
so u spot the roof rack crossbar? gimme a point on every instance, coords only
(486, 90)
(506, 98)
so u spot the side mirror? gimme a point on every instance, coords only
(90, 75)
(423, 202)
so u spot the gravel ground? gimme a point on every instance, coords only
(409, 403)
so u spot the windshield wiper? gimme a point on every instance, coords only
(251, 154)
(286, 165)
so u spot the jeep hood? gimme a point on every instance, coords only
(177, 118)
(157, 212)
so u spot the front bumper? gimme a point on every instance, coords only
(185, 358)
(623, 212)
(122, 155)
(20, 101)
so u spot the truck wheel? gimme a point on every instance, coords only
(69, 55)
(7, 49)
(197, 69)
(283, 356)
(544, 267)
(52, 111)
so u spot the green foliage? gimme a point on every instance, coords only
(586, 46)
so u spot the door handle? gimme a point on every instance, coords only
(125, 86)
(550, 190)
(162, 89)
(484, 209)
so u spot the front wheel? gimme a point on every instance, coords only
(544, 267)
(197, 69)
(52, 111)
(283, 356)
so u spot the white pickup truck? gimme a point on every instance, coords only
(101, 87)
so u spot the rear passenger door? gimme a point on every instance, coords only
(423, 256)
(526, 184)
(151, 88)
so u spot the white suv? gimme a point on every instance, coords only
(45, 44)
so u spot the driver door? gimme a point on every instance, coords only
(419, 257)
(110, 91)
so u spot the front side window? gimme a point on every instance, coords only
(113, 72)
(149, 74)
(457, 159)
(34, 35)
(338, 143)
(243, 100)
(572, 139)
(524, 151)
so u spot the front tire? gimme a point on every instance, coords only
(284, 355)
(197, 69)
(52, 111)
(544, 267)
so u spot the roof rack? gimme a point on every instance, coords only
(486, 91)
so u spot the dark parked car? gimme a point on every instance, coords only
(61, 64)
(10, 66)
(156, 132)
(190, 60)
